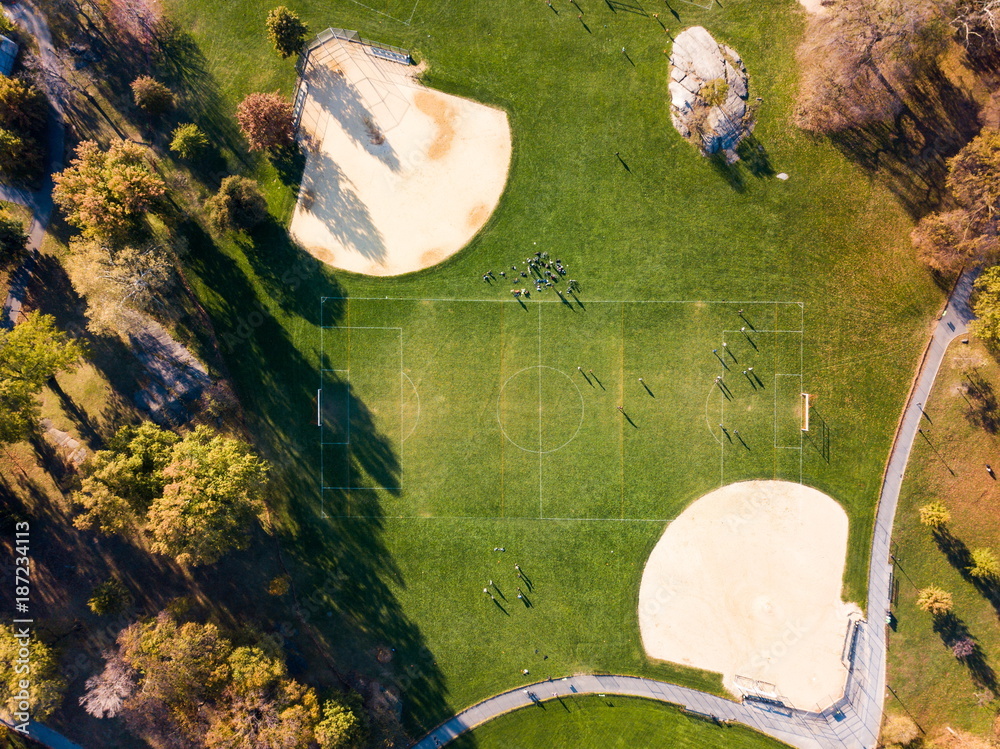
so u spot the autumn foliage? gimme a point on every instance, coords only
(105, 193)
(267, 121)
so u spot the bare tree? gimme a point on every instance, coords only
(978, 25)
(858, 60)
(107, 691)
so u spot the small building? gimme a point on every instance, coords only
(8, 53)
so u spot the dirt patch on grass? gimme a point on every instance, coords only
(410, 197)
(747, 582)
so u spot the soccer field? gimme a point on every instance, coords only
(554, 410)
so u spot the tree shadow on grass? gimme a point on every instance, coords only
(981, 400)
(182, 66)
(959, 557)
(953, 630)
(343, 572)
(910, 153)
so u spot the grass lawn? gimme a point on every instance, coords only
(591, 722)
(404, 566)
(961, 435)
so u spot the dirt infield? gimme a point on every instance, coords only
(398, 177)
(746, 582)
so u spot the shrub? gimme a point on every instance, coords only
(13, 237)
(237, 206)
(109, 598)
(934, 601)
(152, 96)
(279, 586)
(188, 141)
(984, 564)
(899, 730)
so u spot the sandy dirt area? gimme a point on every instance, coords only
(813, 6)
(398, 177)
(747, 582)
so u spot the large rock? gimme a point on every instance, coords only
(708, 92)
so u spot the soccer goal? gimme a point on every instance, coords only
(805, 411)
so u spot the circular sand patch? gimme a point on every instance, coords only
(398, 177)
(747, 582)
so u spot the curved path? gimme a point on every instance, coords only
(853, 721)
(40, 201)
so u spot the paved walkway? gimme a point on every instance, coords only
(851, 723)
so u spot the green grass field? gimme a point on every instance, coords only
(405, 565)
(538, 400)
(592, 722)
(933, 685)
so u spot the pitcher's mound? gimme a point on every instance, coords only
(398, 177)
(746, 582)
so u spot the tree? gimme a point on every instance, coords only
(342, 726)
(13, 237)
(934, 601)
(110, 597)
(195, 497)
(20, 155)
(286, 31)
(107, 691)
(189, 684)
(974, 175)
(858, 62)
(215, 492)
(267, 121)
(188, 141)
(935, 515)
(978, 25)
(35, 350)
(117, 281)
(30, 355)
(945, 242)
(106, 193)
(120, 483)
(151, 96)
(22, 106)
(986, 306)
(42, 687)
(898, 730)
(984, 564)
(238, 205)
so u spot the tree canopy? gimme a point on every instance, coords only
(195, 497)
(934, 601)
(153, 97)
(192, 682)
(267, 121)
(188, 141)
(45, 686)
(986, 306)
(237, 205)
(984, 564)
(106, 193)
(974, 175)
(115, 281)
(30, 354)
(13, 237)
(934, 515)
(286, 31)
